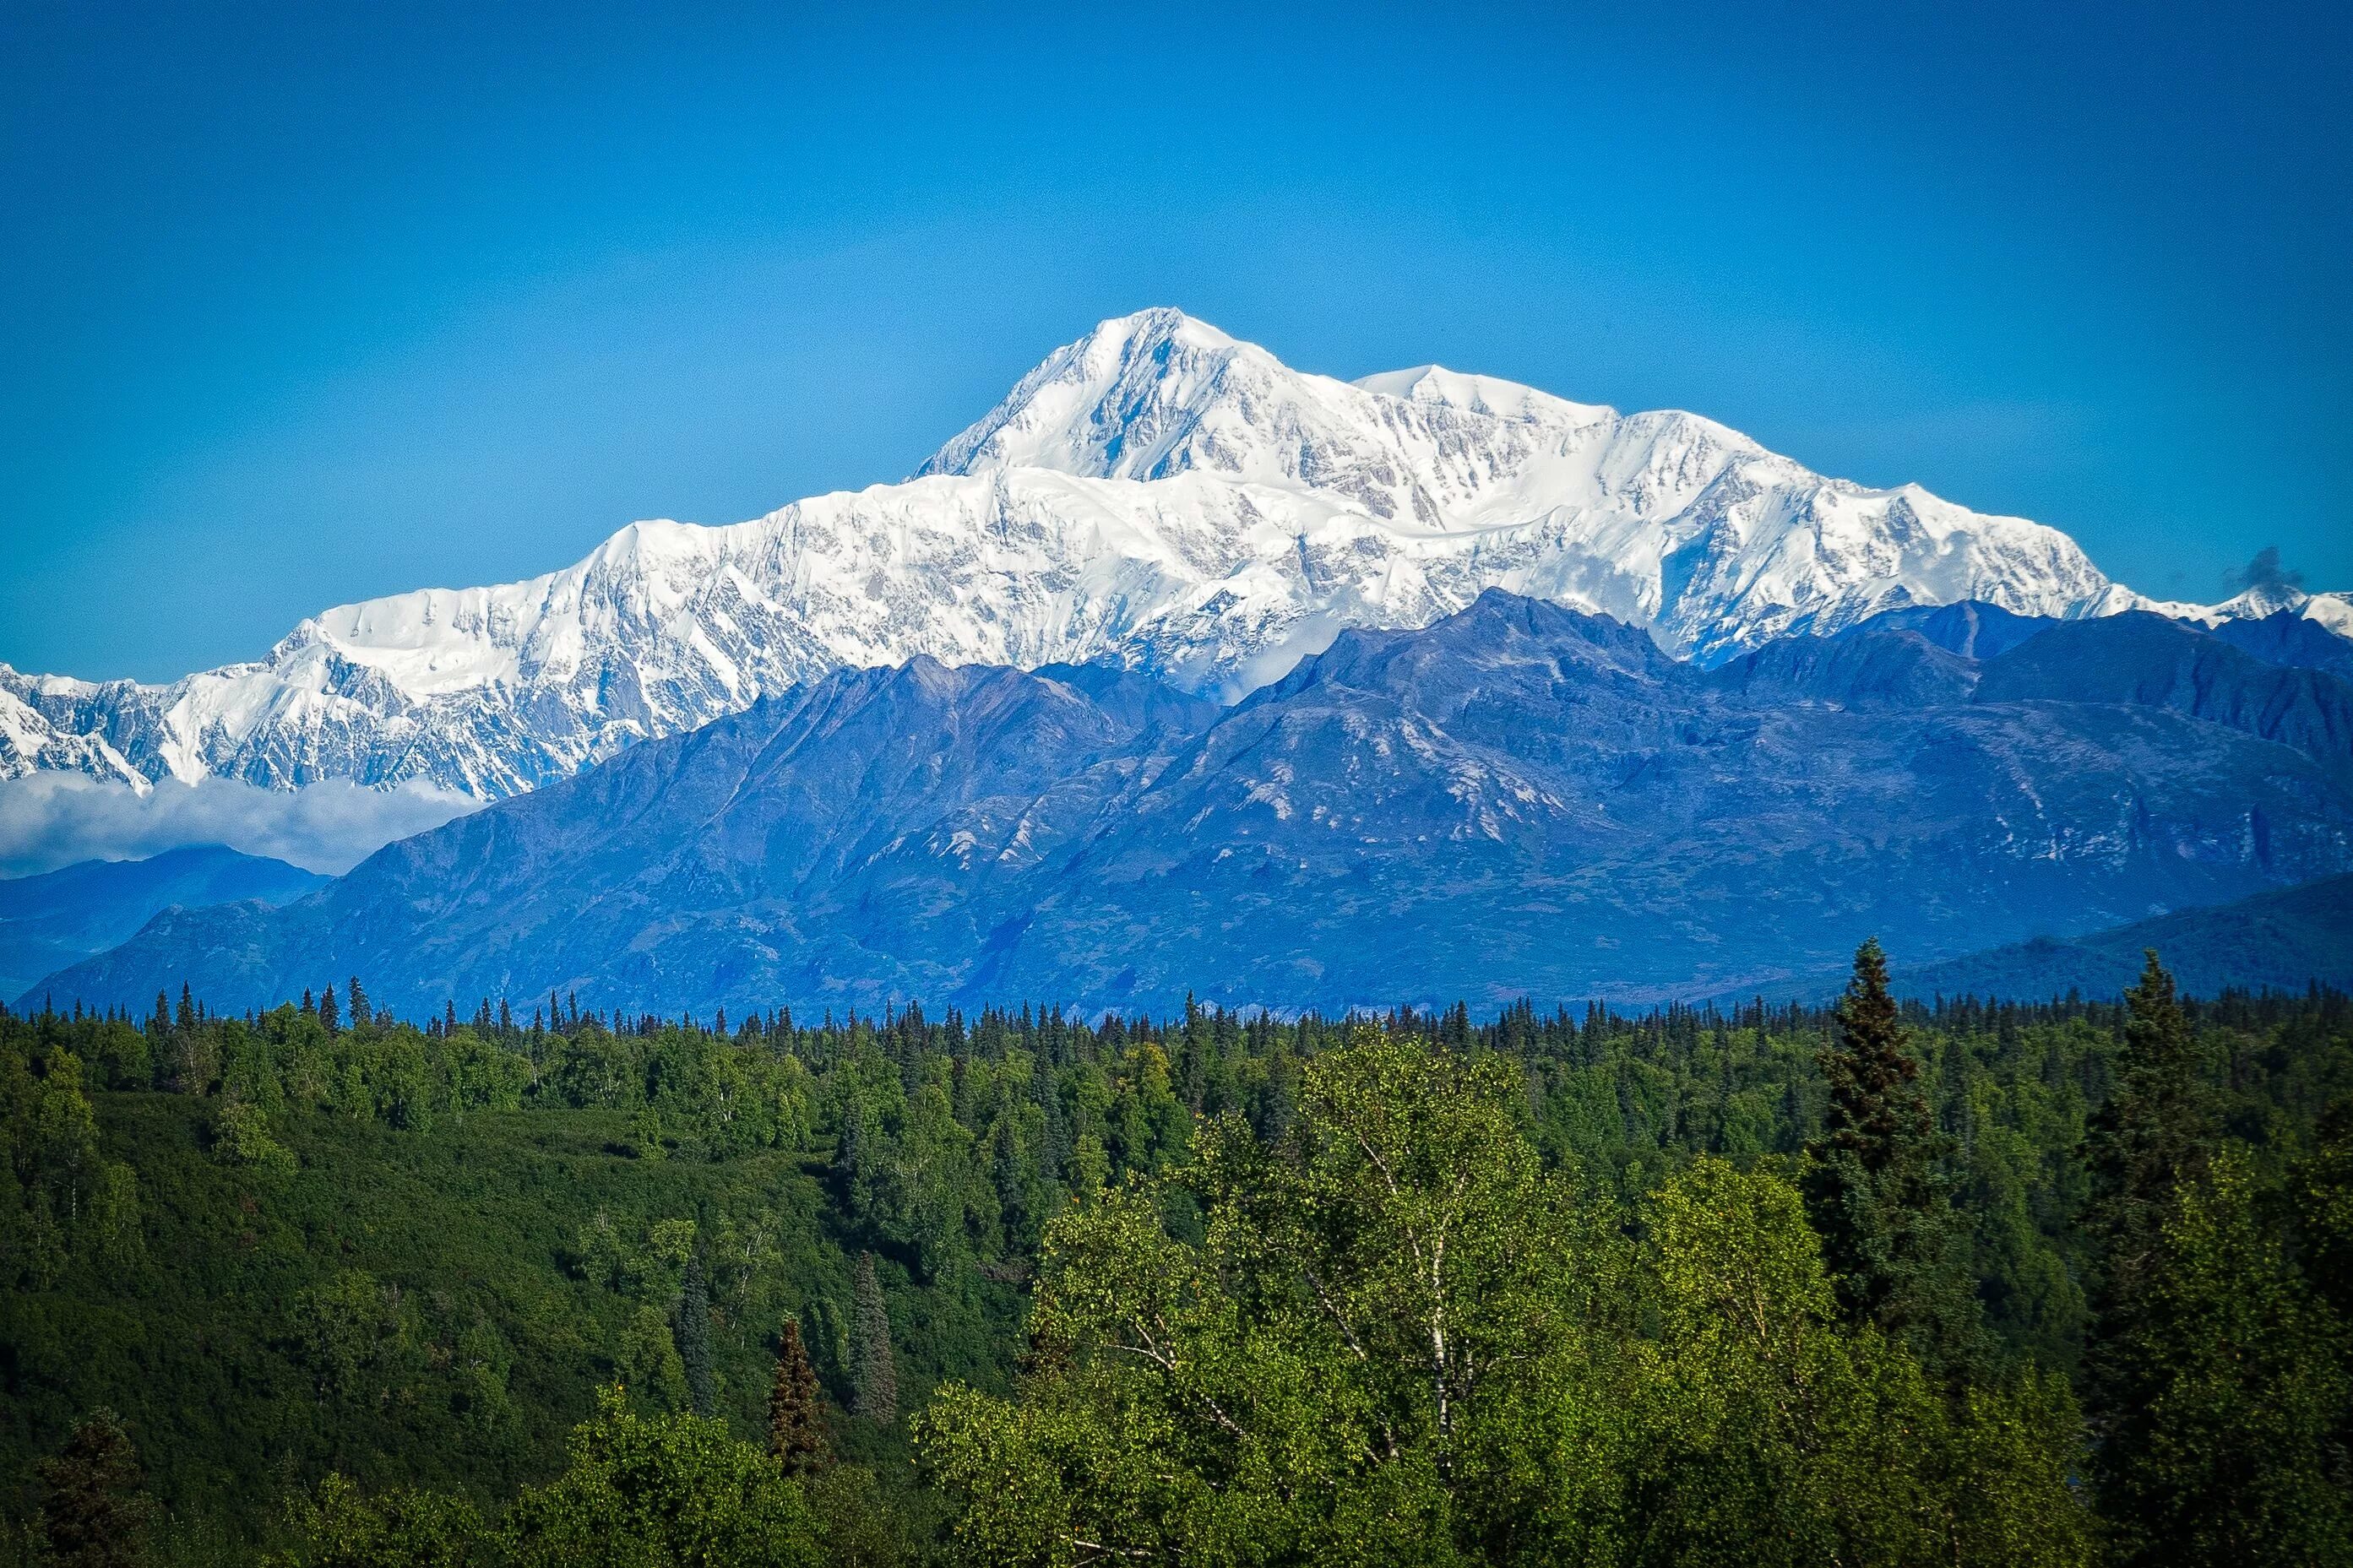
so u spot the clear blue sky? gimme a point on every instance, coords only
(303, 305)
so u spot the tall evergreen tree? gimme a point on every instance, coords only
(1054, 1154)
(695, 1336)
(1878, 1185)
(2214, 1375)
(873, 1375)
(94, 1510)
(796, 1415)
(2151, 1139)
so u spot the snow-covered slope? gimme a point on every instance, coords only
(1157, 493)
(1665, 519)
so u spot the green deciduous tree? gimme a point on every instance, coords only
(2226, 1391)
(338, 1526)
(1399, 1338)
(661, 1490)
(648, 1362)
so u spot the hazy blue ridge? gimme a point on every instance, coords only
(2287, 638)
(2280, 941)
(1982, 631)
(1518, 800)
(61, 917)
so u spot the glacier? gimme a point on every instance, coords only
(1156, 496)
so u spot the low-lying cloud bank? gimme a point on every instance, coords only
(54, 818)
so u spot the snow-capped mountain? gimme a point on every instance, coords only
(1156, 494)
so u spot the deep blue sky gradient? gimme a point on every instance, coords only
(302, 305)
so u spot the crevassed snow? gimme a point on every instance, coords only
(1157, 492)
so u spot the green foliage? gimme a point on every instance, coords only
(648, 1364)
(1399, 1338)
(874, 1373)
(2216, 1378)
(639, 1492)
(661, 1490)
(694, 1338)
(2228, 1388)
(347, 1246)
(2151, 1139)
(243, 1139)
(336, 1526)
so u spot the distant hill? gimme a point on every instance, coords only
(1518, 801)
(62, 916)
(2282, 941)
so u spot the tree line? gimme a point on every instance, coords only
(1873, 1283)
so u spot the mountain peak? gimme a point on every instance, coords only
(1155, 493)
(1115, 404)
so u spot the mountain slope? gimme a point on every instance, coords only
(1519, 799)
(1155, 494)
(64, 916)
(2279, 940)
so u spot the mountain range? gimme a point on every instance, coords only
(1155, 495)
(1520, 799)
(61, 917)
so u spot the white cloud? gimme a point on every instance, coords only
(54, 818)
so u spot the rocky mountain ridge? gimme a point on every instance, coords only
(1518, 800)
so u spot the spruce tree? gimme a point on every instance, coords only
(94, 1510)
(873, 1375)
(2215, 1376)
(1879, 1189)
(796, 1415)
(695, 1336)
(1054, 1155)
(2153, 1136)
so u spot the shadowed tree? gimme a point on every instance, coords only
(1878, 1185)
(694, 1336)
(2215, 1376)
(796, 1416)
(94, 1508)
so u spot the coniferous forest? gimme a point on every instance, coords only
(1868, 1284)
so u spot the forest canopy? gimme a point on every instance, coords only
(1968, 1283)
